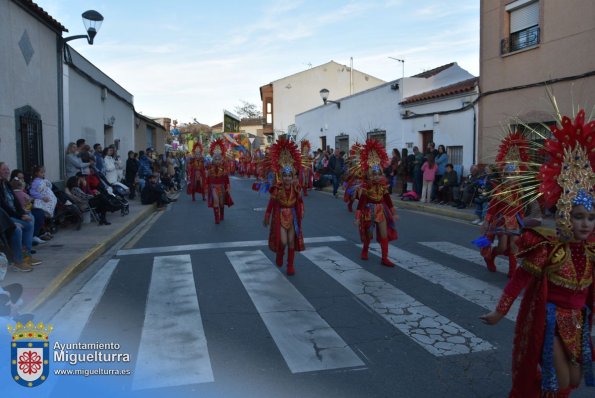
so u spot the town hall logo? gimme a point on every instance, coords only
(29, 353)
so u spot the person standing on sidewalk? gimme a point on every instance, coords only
(418, 160)
(336, 166)
(285, 210)
(375, 210)
(553, 351)
(429, 169)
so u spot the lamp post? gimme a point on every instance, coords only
(324, 95)
(92, 21)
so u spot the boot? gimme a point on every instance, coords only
(279, 257)
(511, 264)
(490, 260)
(384, 249)
(222, 212)
(216, 211)
(350, 206)
(364, 255)
(290, 255)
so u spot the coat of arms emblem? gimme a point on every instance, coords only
(29, 353)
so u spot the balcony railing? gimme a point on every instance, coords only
(519, 40)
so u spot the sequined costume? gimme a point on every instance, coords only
(375, 208)
(556, 272)
(218, 185)
(285, 209)
(196, 171)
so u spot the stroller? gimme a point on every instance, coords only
(66, 212)
(115, 194)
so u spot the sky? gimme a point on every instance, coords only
(187, 59)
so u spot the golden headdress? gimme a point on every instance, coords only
(567, 179)
(218, 147)
(197, 147)
(372, 156)
(284, 157)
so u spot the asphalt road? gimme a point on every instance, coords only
(202, 311)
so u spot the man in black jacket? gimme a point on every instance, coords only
(336, 165)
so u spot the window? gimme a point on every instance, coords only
(538, 133)
(524, 26)
(29, 138)
(150, 135)
(378, 135)
(342, 143)
(455, 154)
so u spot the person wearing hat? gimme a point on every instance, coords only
(218, 181)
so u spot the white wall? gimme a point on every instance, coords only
(86, 113)
(300, 92)
(35, 84)
(379, 108)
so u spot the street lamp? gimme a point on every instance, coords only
(324, 95)
(92, 21)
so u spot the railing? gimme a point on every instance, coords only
(519, 40)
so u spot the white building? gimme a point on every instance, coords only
(29, 87)
(288, 96)
(404, 113)
(96, 108)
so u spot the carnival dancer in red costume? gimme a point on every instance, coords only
(197, 173)
(505, 210)
(218, 181)
(553, 350)
(285, 210)
(354, 177)
(306, 172)
(375, 210)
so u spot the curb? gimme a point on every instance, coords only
(417, 206)
(81, 263)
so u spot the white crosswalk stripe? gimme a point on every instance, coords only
(437, 334)
(305, 340)
(184, 359)
(467, 254)
(471, 289)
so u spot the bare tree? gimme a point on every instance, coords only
(248, 110)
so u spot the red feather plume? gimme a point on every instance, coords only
(370, 147)
(276, 154)
(218, 143)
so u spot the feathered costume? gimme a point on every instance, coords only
(286, 207)
(556, 272)
(306, 171)
(506, 208)
(196, 171)
(353, 180)
(218, 180)
(375, 207)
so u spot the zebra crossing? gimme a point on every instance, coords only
(304, 339)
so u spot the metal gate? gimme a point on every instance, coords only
(30, 138)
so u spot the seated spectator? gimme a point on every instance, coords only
(446, 185)
(44, 200)
(21, 240)
(468, 188)
(485, 185)
(76, 188)
(153, 192)
(74, 163)
(26, 201)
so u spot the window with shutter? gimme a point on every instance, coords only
(524, 26)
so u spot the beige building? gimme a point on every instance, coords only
(526, 46)
(149, 133)
(253, 127)
(286, 97)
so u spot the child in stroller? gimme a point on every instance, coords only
(115, 193)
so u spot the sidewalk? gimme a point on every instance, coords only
(70, 252)
(467, 214)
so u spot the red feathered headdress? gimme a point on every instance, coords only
(218, 147)
(197, 146)
(568, 179)
(285, 157)
(513, 151)
(305, 147)
(373, 155)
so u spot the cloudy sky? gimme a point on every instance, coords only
(188, 59)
